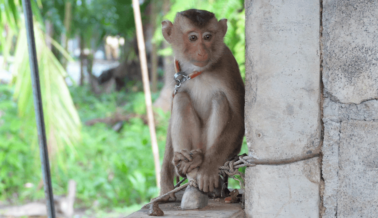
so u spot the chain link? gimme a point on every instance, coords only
(180, 78)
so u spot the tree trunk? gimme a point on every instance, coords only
(146, 86)
(82, 57)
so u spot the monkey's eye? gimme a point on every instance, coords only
(192, 38)
(207, 37)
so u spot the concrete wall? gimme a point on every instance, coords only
(284, 51)
(283, 116)
(350, 77)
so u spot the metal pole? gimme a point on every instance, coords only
(38, 109)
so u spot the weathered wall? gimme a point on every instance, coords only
(282, 106)
(350, 50)
(350, 77)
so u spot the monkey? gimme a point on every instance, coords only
(206, 127)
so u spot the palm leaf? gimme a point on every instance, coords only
(61, 118)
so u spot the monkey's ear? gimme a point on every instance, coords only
(167, 30)
(223, 26)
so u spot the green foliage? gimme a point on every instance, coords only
(92, 20)
(232, 10)
(111, 169)
(61, 118)
(114, 168)
(17, 155)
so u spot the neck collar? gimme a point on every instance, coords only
(181, 77)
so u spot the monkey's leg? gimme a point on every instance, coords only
(186, 145)
(219, 143)
(167, 172)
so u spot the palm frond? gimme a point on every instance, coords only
(61, 118)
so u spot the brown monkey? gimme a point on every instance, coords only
(207, 121)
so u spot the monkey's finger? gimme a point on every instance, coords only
(177, 154)
(211, 185)
(185, 168)
(196, 151)
(178, 157)
(192, 166)
(187, 155)
(216, 182)
(200, 183)
(206, 185)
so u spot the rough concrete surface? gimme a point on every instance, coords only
(350, 133)
(330, 167)
(337, 112)
(282, 112)
(290, 190)
(350, 109)
(358, 174)
(282, 78)
(350, 42)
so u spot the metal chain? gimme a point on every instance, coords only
(180, 78)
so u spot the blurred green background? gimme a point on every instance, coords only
(113, 167)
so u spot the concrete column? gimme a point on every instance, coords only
(283, 106)
(350, 77)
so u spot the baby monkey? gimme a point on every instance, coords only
(207, 117)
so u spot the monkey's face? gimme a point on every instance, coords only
(199, 45)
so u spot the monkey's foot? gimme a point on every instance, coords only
(220, 192)
(194, 199)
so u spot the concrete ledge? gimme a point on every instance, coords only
(217, 209)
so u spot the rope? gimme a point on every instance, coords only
(179, 183)
(230, 168)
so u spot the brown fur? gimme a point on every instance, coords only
(198, 17)
(208, 111)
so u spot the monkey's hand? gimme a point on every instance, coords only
(207, 177)
(186, 161)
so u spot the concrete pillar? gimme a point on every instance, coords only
(283, 117)
(350, 77)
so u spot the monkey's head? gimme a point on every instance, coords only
(196, 37)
